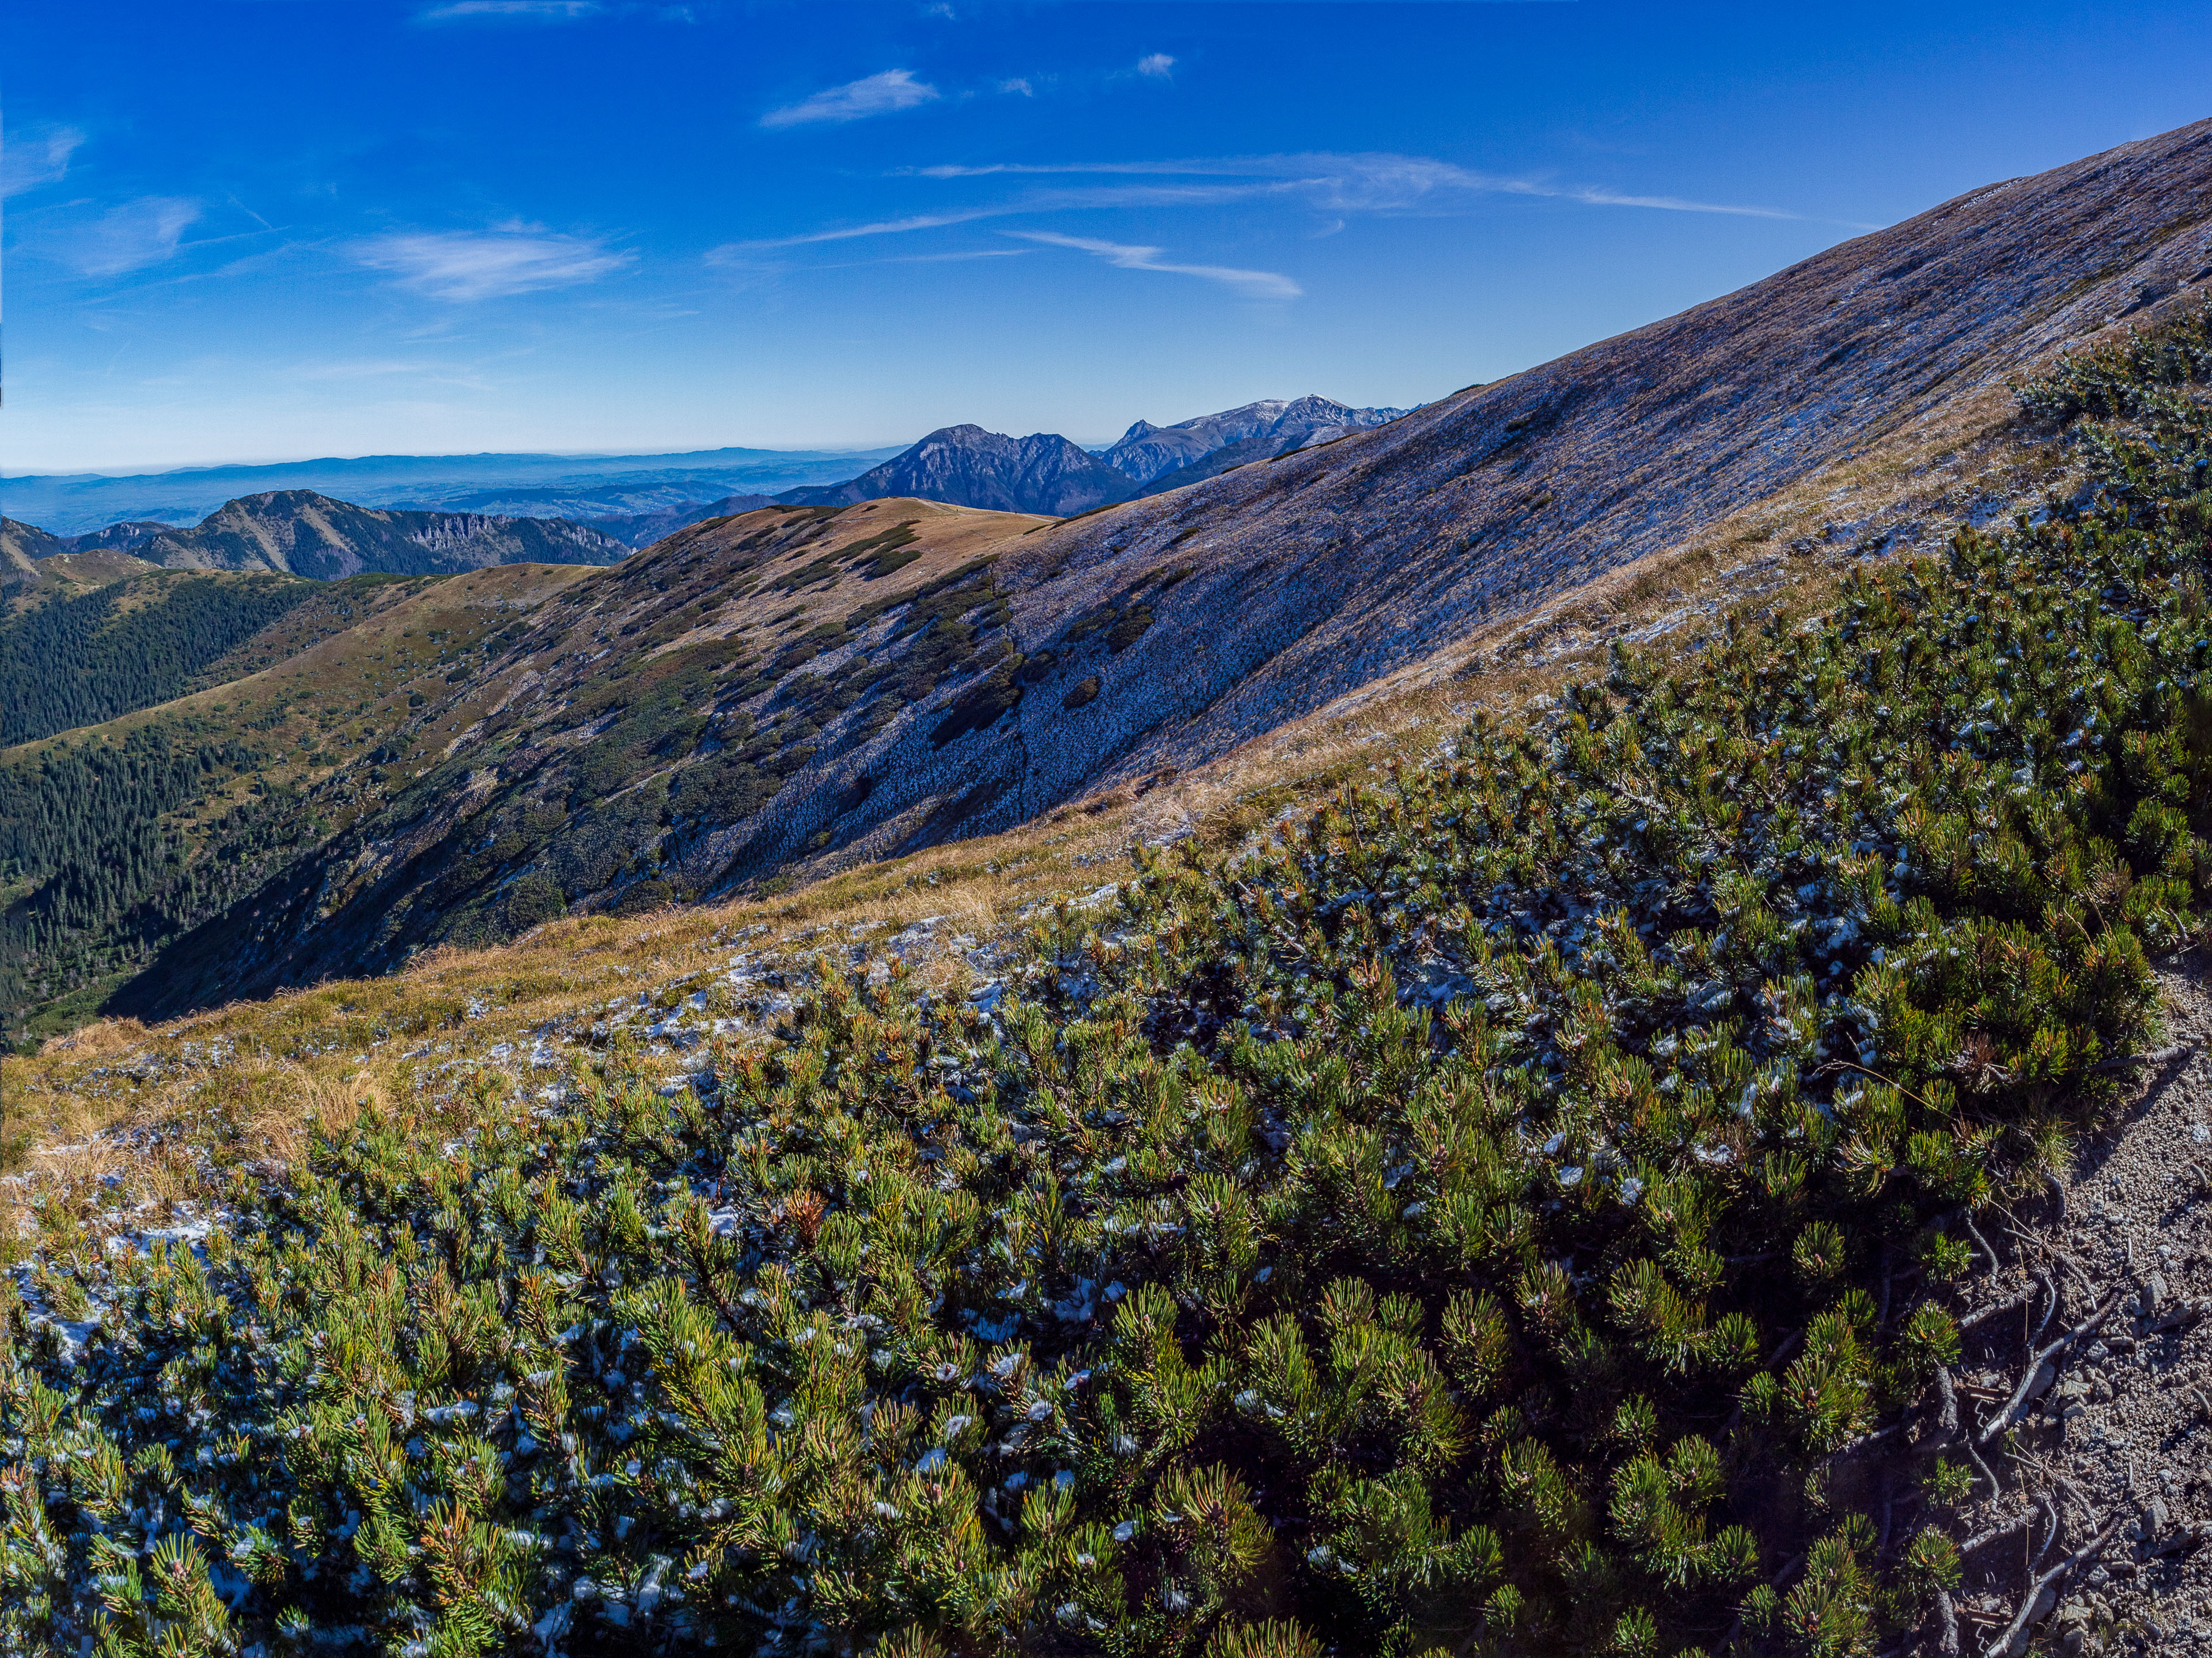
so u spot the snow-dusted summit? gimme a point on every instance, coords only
(1149, 454)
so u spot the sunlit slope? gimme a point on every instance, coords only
(1539, 1203)
(1253, 598)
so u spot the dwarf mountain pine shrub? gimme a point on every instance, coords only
(1489, 1220)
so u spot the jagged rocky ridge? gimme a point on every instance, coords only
(299, 532)
(968, 466)
(1163, 458)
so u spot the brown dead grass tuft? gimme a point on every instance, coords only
(101, 1036)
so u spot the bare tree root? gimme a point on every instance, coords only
(2028, 1390)
(1982, 1314)
(1998, 1533)
(2042, 1595)
(1982, 1243)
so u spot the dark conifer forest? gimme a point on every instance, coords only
(82, 660)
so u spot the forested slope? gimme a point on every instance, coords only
(1525, 1207)
(115, 838)
(82, 660)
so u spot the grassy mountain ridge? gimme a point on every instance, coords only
(1520, 1208)
(743, 652)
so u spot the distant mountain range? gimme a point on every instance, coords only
(584, 486)
(299, 532)
(968, 466)
(1162, 458)
(637, 499)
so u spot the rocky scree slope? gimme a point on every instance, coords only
(634, 740)
(1165, 631)
(1532, 1207)
(299, 532)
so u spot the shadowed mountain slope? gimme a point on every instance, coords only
(968, 466)
(659, 730)
(299, 532)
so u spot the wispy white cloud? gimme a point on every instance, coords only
(1018, 87)
(886, 94)
(1051, 201)
(950, 259)
(510, 11)
(129, 237)
(1595, 197)
(37, 155)
(1156, 66)
(1370, 182)
(1330, 186)
(1251, 284)
(731, 251)
(419, 372)
(461, 265)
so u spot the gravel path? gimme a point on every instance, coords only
(2121, 1430)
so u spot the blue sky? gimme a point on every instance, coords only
(265, 229)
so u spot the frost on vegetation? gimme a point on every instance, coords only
(1455, 1228)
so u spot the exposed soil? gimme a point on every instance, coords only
(2120, 1435)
